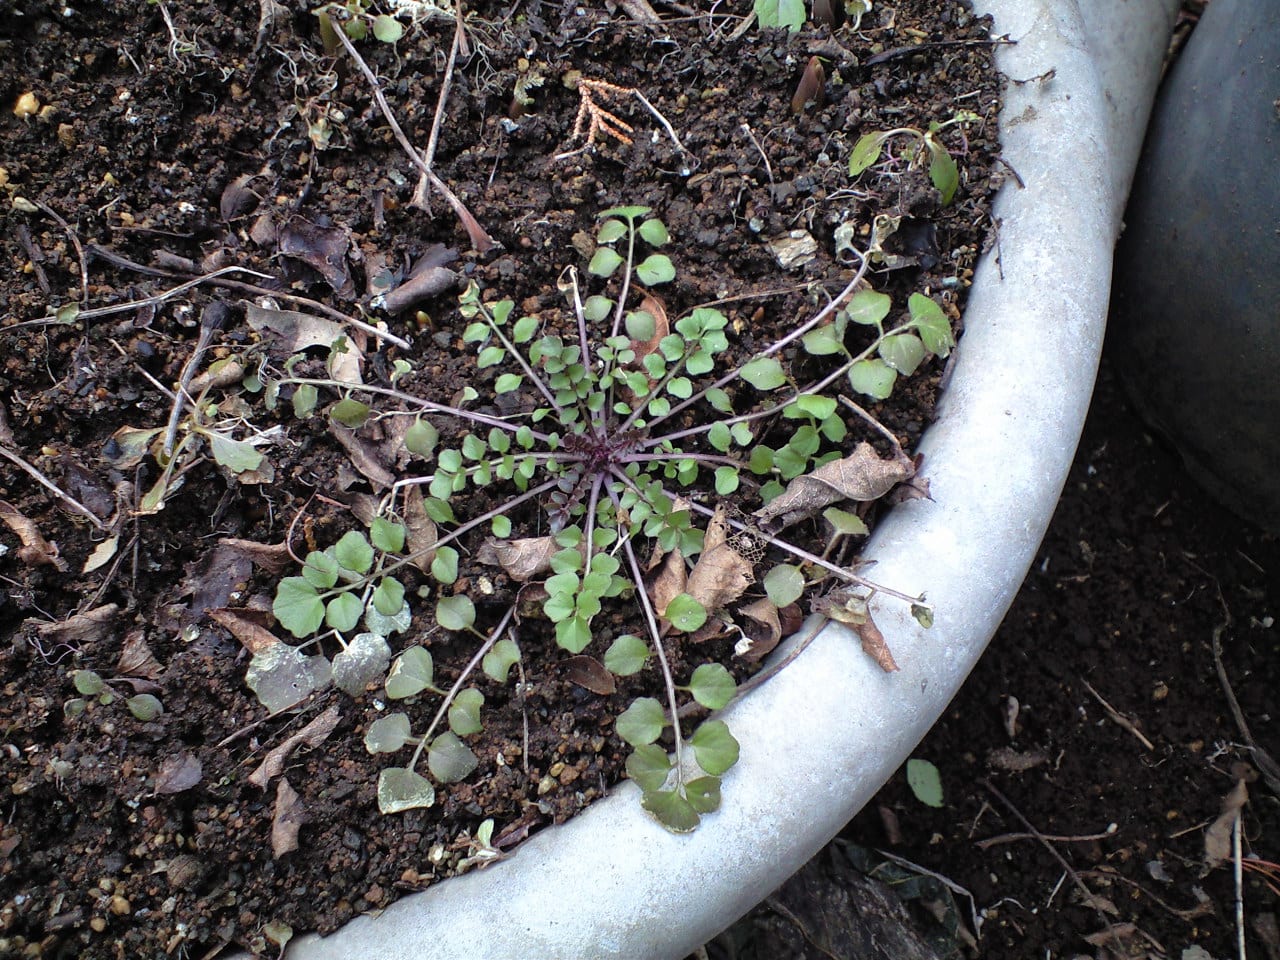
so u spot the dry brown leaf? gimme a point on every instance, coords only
(287, 820)
(294, 332)
(863, 475)
(178, 772)
(365, 456)
(420, 530)
(590, 674)
(721, 574)
(762, 634)
(522, 559)
(313, 734)
(101, 554)
(322, 248)
(653, 306)
(271, 557)
(136, 658)
(1014, 761)
(1217, 839)
(88, 627)
(237, 199)
(247, 626)
(669, 582)
(874, 646)
(35, 548)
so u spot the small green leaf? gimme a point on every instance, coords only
(923, 614)
(640, 325)
(626, 655)
(703, 794)
(298, 607)
(400, 789)
(605, 262)
(388, 734)
(865, 152)
(500, 526)
(627, 212)
(719, 437)
(574, 633)
(727, 480)
(502, 656)
(455, 613)
(875, 378)
(823, 341)
(524, 329)
(654, 232)
(642, 722)
(868, 307)
(507, 382)
(931, 323)
(656, 268)
(389, 597)
(304, 400)
(712, 686)
(387, 29)
(411, 673)
(444, 565)
(849, 524)
(715, 747)
(649, 766)
(671, 810)
(925, 782)
(942, 170)
(719, 400)
(237, 456)
(490, 356)
(145, 707)
(350, 412)
(903, 352)
(780, 13)
(387, 536)
(764, 373)
(685, 613)
(449, 759)
(87, 682)
(464, 712)
(421, 439)
(811, 405)
(342, 613)
(610, 231)
(353, 552)
(784, 585)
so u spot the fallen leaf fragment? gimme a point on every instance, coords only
(669, 582)
(35, 548)
(294, 331)
(873, 644)
(88, 627)
(764, 632)
(136, 658)
(365, 456)
(420, 530)
(322, 248)
(590, 674)
(179, 772)
(1217, 839)
(521, 559)
(313, 734)
(287, 820)
(246, 625)
(721, 574)
(863, 475)
(101, 554)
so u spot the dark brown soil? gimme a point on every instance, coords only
(150, 144)
(1138, 573)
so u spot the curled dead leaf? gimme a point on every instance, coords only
(1217, 839)
(35, 548)
(88, 627)
(420, 530)
(294, 331)
(670, 580)
(863, 475)
(365, 456)
(721, 574)
(322, 248)
(590, 674)
(246, 625)
(762, 633)
(873, 644)
(286, 820)
(521, 559)
(178, 772)
(313, 734)
(136, 658)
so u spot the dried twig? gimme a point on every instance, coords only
(1077, 838)
(1119, 719)
(53, 488)
(479, 238)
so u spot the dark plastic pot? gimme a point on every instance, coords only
(1195, 322)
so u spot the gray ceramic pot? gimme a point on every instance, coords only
(821, 737)
(1196, 323)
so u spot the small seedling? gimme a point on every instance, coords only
(925, 782)
(943, 172)
(597, 450)
(93, 688)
